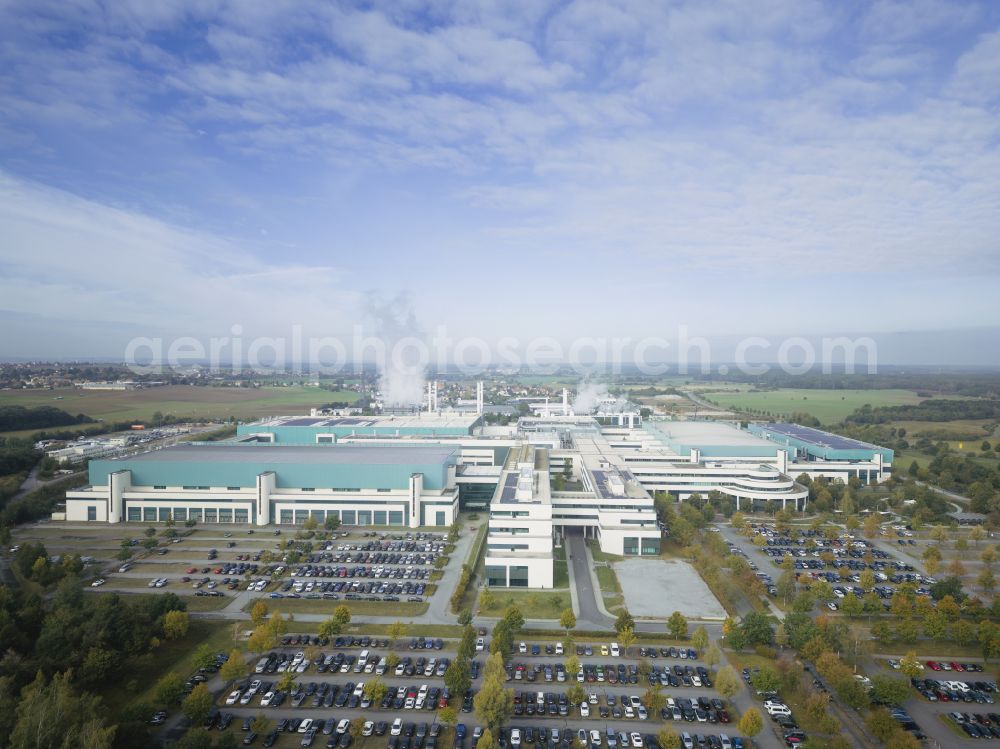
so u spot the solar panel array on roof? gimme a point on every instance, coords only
(304, 422)
(509, 488)
(818, 437)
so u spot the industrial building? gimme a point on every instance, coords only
(539, 480)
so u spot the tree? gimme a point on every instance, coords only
(286, 683)
(52, 715)
(329, 628)
(447, 716)
(234, 668)
(756, 628)
(175, 624)
(567, 620)
(332, 522)
(765, 680)
(493, 704)
(397, 630)
(465, 616)
(626, 638)
(986, 580)
(259, 611)
(575, 695)
(623, 621)
(170, 688)
(456, 677)
(486, 740)
(699, 638)
(677, 625)
(342, 614)
(751, 723)
(204, 656)
(909, 666)
(467, 644)
(261, 724)
(375, 690)
(712, 656)
(851, 605)
(727, 683)
(668, 739)
(889, 690)
(198, 704)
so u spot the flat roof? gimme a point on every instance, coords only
(441, 419)
(707, 433)
(818, 437)
(212, 452)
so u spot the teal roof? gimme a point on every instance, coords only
(295, 466)
(816, 443)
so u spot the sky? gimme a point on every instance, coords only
(500, 169)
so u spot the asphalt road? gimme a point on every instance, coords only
(589, 615)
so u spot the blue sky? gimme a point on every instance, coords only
(575, 168)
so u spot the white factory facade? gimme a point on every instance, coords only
(539, 480)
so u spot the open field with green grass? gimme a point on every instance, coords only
(978, 429)
(533, 604)
(402, 609)
(187, 401)
(829, 406)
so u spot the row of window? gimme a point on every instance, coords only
(346, 517)
(146, 514)
(631, 546)
(514, 576)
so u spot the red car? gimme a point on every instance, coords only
(933, 665)
(723, 716)
(957, 666)
(192, 570)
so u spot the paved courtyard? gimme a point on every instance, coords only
(659, 587)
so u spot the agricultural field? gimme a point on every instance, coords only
(829, 406)
(197, 403)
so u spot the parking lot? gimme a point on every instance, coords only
(659, 587)
(221, 563)
(329, 689)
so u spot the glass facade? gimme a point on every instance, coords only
(439, 518)
(630, 546)
(395, 517)
(651, 546)
(380, 517)
(348, 517)
(134, 514)
(91, 513)
(518, 577)
(496, 574)
(364, 517)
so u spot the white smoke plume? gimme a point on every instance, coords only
(401, 368)
(593, 395)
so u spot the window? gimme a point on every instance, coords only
(333, 514)
(196, 514)
(211, 515)
(395, 517)
(165, 514)
(159, 487)
(348, 517)
(379, 517)
(241, 516)
(180, 514)
(308, 489)
(91, 512)
(301, 516)
(518, 577)
(651, 546)
(225, 516)
(149, 514)
(233, 488)
(286, 517)
(439, 518)
(496, 575)
(630, 546)
(324, 439)
(364, 517)
(134, 514)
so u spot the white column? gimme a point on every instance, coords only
(265, 485)
(119, 482)
(416, 489)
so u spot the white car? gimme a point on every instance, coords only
(584, 710)
(515, 737)
(592, 699)
(265, 701)
(480, 644)
(397, 727)
(305, 725)
(98, 582)
(636, 738)
(641, 712)
(233, 697)
(629, 712)
(522, 648)
(343, 726)
(559, 648)
(368, 728)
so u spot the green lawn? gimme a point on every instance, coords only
(533, 604)
(608, 580)
(829, 406)
(402, 609)
(189, 401)
(560, 574)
